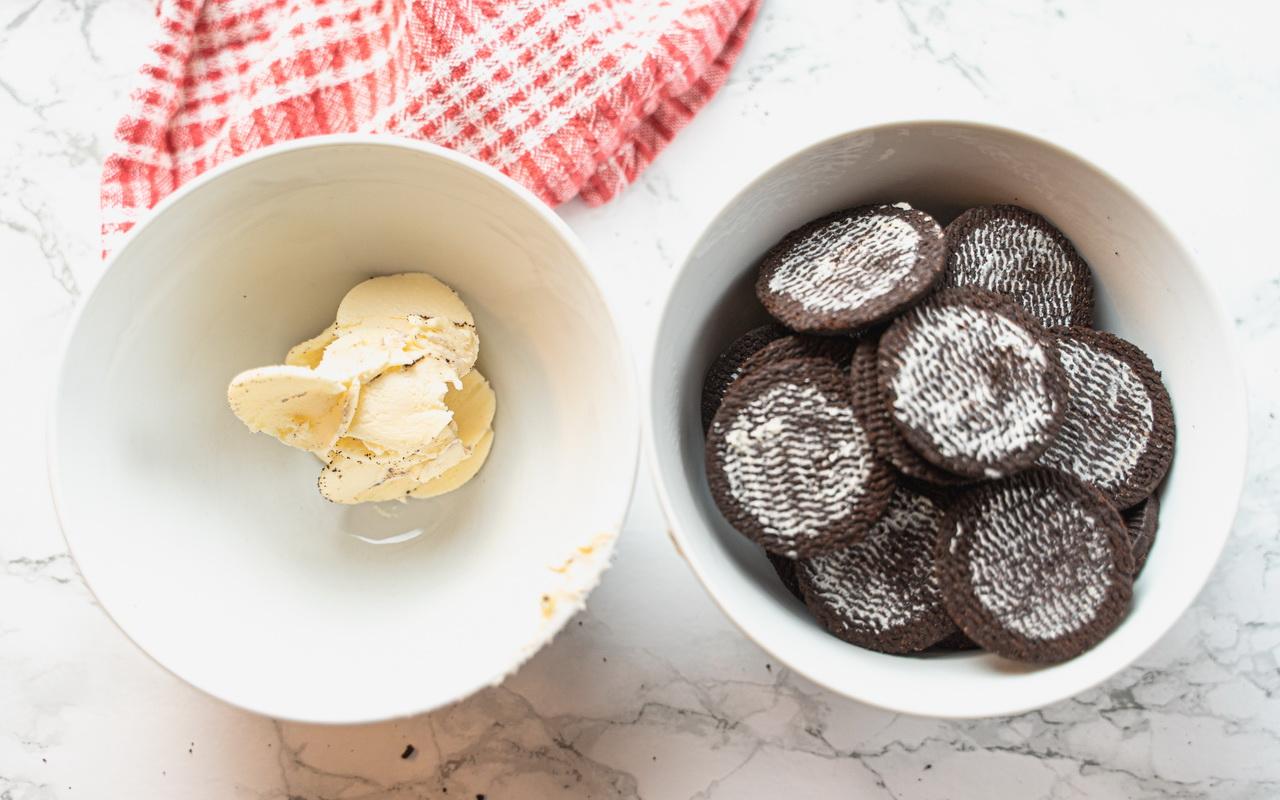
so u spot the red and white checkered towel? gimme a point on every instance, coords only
(566, 96)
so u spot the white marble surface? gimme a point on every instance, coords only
(651, 693)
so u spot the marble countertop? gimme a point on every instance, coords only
(1181, 100)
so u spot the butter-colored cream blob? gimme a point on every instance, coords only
(296, 405)
(387, 396)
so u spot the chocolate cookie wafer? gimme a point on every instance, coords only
(851, 269)
(789, 463)
(1036, 567)
(1141, 521)
(881, 592)
(889, 443)
(836, 349)
(1118, 434)
(728, 366)
(1017, 252)
(973, 383)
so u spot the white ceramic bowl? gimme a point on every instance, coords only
(1149, 291)
(210, 546)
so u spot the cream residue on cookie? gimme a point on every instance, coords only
(848, 262)
(1053, 584)
(886, 580)
(943, 385)
(785, 468)
(1014, 257)
(1109, 420)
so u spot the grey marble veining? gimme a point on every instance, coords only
(653, 693)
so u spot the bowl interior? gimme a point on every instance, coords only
(211, 546)
(1148, 292)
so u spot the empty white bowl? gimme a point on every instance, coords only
(211, 547)
(1149, 292)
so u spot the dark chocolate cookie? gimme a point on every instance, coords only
(852, 269)
(888, 441)
(836, 349)
(1142, 521)
(728, 366)
(881, 592)
(1118, 434)
(789, 463)
(973, 383)
(1017, 252)
(1036, 567)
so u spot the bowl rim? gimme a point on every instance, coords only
(526, 197)
(680, 531)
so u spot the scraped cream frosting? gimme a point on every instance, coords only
(387, 396)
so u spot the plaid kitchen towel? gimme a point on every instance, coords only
(566, 96)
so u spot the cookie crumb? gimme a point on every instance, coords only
(409, 750)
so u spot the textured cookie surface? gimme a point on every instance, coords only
(1118, 433)
(1142, 521)
(1017, 252)
(836, 349)
(889, 443)
(789, 463)
(728, 366)
(881, 592)
(973, 383)
(1036, 567)
(852, 269)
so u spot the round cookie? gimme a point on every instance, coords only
(789, 463)
(1017, 252)
(1036, 567)
(881, 592)
(972, 383)
(728, 366)
(786, 570)
(836, 349)
(1141, 521)
(852, 269)
(1118, 434)
(888, 442)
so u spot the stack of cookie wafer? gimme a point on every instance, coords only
(932, 444)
